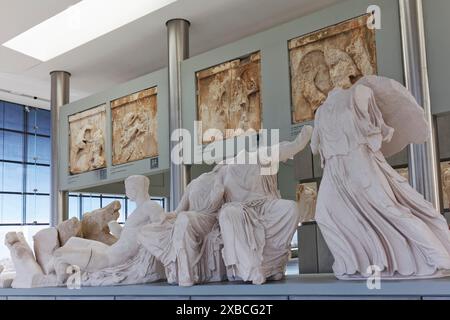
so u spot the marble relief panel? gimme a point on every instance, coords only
(135, 127)
(445, 176)
(445, 180)
(229, 98)
(306, 195)
(87, 140)
(348, 47)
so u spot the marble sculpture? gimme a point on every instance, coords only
(87, 140)
(445, 167)
(369, 215)
(103, 260)
(230, 223)
(345, 48)
(188, 241)
(135, 126)
(123, 262)
(94, 225)
(229, 97)
(234, 212)
(307, 199)
(256, 225)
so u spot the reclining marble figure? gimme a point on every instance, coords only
(29, 273)
(125, 261)
(37, 269)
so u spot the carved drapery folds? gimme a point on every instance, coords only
(229, 97)
(134, 127)
(87, 140)
(316, 58)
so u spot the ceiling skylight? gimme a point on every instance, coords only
(79, 24)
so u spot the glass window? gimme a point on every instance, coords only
(38, 179)
(106, 200)
(2, 145)
(11, 208)
(12, 146)
(131, 206)
(12, 178)
(2, 111)
(74, 206)
(160, 201)
(14, 116)
(90, 203)
(38, 208)
(25, 188)
(38, 149)
(39, 121)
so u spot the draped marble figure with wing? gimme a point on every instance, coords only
(369, 215)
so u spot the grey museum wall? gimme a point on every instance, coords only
(113, 174)
(437, 27)
(276, 96)
(159, 186)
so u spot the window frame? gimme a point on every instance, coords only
(24, 162)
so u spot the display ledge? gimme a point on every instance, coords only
(294, 287)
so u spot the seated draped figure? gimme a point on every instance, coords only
(188, 241)
(256, 226)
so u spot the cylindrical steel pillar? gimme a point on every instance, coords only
(60, 92)
(178, 50)
(423, 159)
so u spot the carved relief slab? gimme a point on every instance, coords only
(306, 195)
(348, 47)
(87, 140)
(445, 177)
(135, 127)
(229, 97)
(404, 172)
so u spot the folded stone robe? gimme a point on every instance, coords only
(188, 241)
(369, 215)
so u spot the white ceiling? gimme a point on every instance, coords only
(135, 49)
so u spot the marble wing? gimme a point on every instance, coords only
(400, 111)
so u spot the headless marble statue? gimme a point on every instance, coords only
(257, 226)
(100, 261)
(368, 214)
(187, 241)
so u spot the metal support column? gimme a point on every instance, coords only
(423, 159)
(60, 92)
(178, 50)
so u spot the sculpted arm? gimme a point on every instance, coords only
(284, 150)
